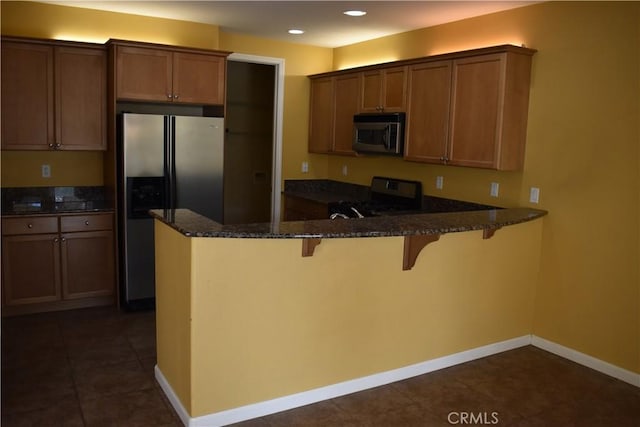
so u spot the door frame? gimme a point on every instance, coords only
(278, 108)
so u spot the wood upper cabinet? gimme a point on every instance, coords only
(57, 261)
(27, 96)
(81, 105)
(164, 75)
(384, 90)
(470, 111)
(53, 96)
(427, 128)
(321, 115)
(334, 101)
(347, 91)
(489, 109)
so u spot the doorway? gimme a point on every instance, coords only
(253, 139)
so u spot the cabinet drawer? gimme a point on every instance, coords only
(91, 222)
(29, 225)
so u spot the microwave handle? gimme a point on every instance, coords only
(385, 137)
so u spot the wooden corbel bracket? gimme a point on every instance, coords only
(309, 245)
(412, 247)
(488, 233)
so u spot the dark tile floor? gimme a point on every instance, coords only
(94, 367)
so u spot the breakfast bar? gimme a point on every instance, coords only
(258, 318)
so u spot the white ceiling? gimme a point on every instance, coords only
(323, 21)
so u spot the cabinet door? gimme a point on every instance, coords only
(81, 98)
(27, 96)
(87, 264)
(478, 91)
(30, 269)
(198, 78)
(321, 115)
(347, 96)
(384, 90)
(428, 112)
(371, 91)
(143, 74)
(394, 89)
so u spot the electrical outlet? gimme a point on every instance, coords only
(534, 195)
(344, 170)
(46, 171)
(439, 182)
(495, 188)
(305, 167)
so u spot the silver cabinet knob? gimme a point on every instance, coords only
(29, 225)
(169, 96)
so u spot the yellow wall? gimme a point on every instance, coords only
(266, 322)
(173, 300)
(582, 149)
(68, 168)
(582, 152)
(300, 61)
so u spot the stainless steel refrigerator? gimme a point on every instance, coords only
(165, 162)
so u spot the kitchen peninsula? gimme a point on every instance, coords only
(247, 325)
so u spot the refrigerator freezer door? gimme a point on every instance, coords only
(144, 136)
(198, 161)
(143, 158)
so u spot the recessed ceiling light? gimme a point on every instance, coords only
(296, 31)
(355, 12)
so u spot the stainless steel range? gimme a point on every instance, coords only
(387, 196)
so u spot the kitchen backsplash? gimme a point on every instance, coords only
(18, 200)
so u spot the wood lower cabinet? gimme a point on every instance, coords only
(53, 95)
(301, 209)
(57, 262)
(159, 74)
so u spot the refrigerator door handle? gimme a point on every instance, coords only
(169, 164)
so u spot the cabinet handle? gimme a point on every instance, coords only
(29, 225)
(52, 145)
(56, 240)
(58, 145)
(64, 239)
(169, 96)
(86, 222)
(176, 96)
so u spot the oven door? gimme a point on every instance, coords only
(377, 137)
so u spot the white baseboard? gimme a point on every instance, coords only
(335, 390)
(173, 398)
(586, 360)
(260, 409)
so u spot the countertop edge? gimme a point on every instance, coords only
(191, 224)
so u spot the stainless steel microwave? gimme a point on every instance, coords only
(380, 133)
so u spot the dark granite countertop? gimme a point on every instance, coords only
(191, 224)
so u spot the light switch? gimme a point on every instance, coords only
(534, 195)
(439, 182)
(305, 167)
(495, 188)
(46, 171)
